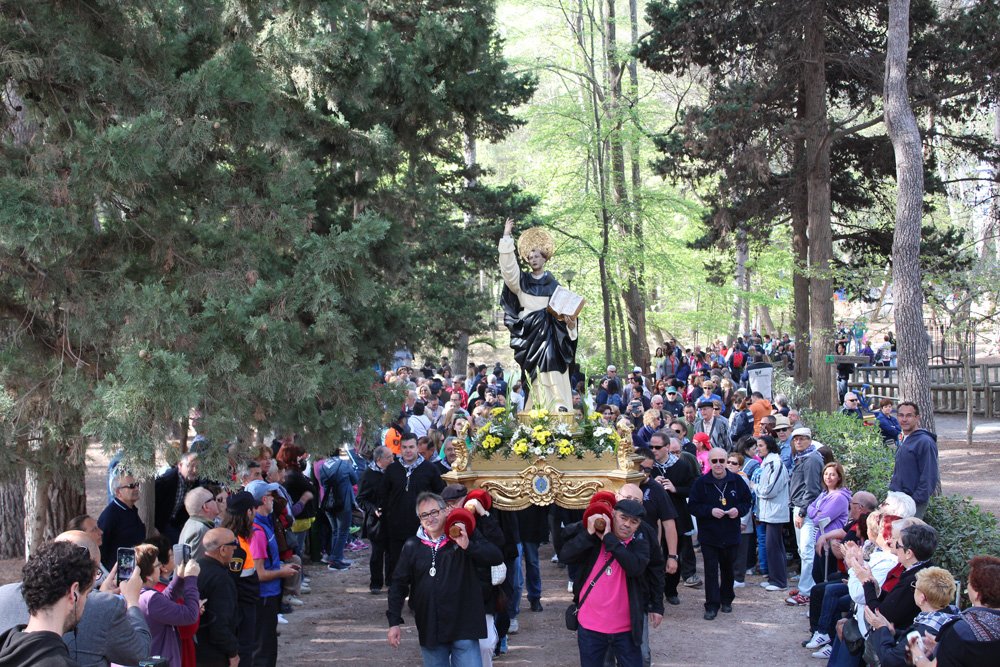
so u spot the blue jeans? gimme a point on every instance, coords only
(841, 657)
(459, 653)
(762, 547)
(532, 572)
(340, 528)
(594, 648)
(836, 600)
(516, 584)
(297, 541)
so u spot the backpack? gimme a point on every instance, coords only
(333, 496)
(738, 358)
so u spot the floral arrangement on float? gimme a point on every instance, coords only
(541, 433)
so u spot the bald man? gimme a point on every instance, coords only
(110, 629)
(218, 641)
(718, 499)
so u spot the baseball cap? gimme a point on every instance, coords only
(240, 502)
(632, 508)
(671, 390)
(259, 488)
(454, 492)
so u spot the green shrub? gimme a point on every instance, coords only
(867, 462)
(964, 530)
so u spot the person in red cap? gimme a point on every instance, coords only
(703, 444)
(611, 587)
(439, 574)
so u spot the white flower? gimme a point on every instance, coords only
(551, 450)
(537, 451)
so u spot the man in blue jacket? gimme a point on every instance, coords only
(916, 470)
(718, 499)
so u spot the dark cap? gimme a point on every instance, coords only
(632, 508)
(239, 503)
(454, 492)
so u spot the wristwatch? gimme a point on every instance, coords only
(673, 556)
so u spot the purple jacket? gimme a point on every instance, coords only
(163, 614)
(832, 506)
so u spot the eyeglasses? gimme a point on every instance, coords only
(234, 543)
(133, 485)
(433, 514)
(852, 400)
(717, 460)
(732, 463)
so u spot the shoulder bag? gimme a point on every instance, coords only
(572, 622)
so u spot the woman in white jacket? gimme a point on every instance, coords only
(772, 509)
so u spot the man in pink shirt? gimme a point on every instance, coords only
(612, 564)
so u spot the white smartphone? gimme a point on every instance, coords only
(918, 639)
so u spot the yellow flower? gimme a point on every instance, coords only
(565, 447)
(594, 416)
(497, 411)
(484, 428)
(538, 414)
(521, 447)
(541, 434)
(490, 442)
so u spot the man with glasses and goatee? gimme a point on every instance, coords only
(120, 520)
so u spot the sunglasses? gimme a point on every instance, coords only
(133, 485)
(657, 446)
(717, 460)
(732, 463)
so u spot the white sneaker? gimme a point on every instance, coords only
(282, 620)
(294, 601)
(569, 586)
(514, 627)
(824, 653)
(739, 584)
(819, 639)
(305, 590)
(771, 588)
(555, 558)
(765, 583)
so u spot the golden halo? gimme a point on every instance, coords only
(533, 238)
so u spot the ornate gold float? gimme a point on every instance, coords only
(569, 481)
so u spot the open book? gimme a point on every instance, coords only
(564, 303)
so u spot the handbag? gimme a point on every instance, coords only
(572, 622)
(854, 641)
(498, 574)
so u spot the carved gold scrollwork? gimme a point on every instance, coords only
(461, 456)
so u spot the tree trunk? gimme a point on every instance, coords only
(67, 497)
(908, 295)
(817, 132)
(12, 513)
(766, 324)
(800, 275)
(36, 507)
(742, 255)
(460, 354)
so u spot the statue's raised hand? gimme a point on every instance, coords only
(508, 227)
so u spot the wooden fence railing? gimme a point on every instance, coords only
(948, 387)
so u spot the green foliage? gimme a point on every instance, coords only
(964, 530)
(240, 208)
(867, 462)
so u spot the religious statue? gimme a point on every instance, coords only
(544, 343)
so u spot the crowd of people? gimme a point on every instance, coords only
(730, 472)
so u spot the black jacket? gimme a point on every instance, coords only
(122, 527)
(446, 607)
(707, 493)
(959, 645)
(682, 476)
(584, 549)
(165, 488)
(368, 501)
(897, 605)
(217, 631)
(398, 497)
(34, 649)
(533, 523)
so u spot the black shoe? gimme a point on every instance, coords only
(536, 605)
(726, 609)
(674, 600)
(375, 590)
(286, 608)
(710, 615)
